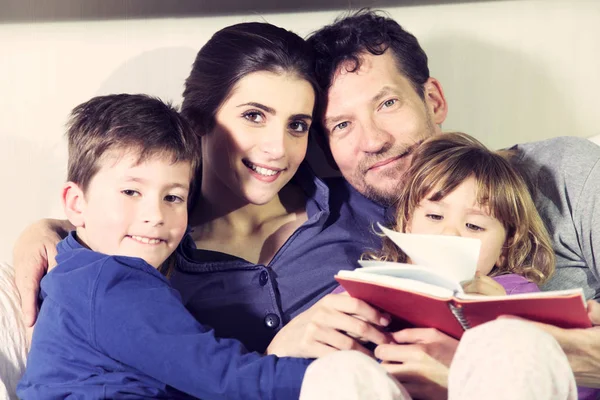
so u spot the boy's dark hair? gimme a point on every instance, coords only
(367, 31)
(130, 122)
(231, 54)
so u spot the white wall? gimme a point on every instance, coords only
(512, 71)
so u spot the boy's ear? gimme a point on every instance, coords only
(74, 204)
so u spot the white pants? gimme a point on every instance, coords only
(503, 359)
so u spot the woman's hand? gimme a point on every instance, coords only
(484, 285)
(33, 254)
(336, 322)
(422, 376)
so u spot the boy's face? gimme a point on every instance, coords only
(135, 210)
(458, 214)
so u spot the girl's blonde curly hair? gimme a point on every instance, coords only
(441, 164)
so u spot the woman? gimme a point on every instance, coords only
(267, 236)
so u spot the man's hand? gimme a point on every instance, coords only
(431, 341)
(336, 322)
(484, 285)
(582, 347)
(422, 376)
(33, 254)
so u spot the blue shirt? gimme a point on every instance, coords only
(251, 302)
(113, 327)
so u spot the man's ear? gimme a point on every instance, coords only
(435, 100)
(74, 204)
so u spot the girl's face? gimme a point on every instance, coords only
(458, 214)
(260, 137)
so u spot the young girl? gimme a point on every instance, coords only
(456, 186)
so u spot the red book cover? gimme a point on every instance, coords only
(453, 314)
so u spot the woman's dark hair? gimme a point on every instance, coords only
(367, 31)
(231, 54)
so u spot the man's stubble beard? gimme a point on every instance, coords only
(389, 195)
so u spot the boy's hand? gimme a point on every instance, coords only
(483, 285)
(33, 254)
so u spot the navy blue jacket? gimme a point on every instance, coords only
(113, 327)
(251, 302)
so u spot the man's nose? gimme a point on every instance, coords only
(374, 138)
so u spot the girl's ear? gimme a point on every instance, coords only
(503, 259)
(74, 204)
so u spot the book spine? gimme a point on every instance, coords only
(457, 311)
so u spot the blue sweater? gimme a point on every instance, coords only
(113, 327)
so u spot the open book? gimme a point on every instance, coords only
(428, 293)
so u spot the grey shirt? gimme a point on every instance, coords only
(564, 177)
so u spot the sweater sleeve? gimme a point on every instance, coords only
(516, 284)
(139, 320)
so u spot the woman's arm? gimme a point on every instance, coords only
(33, 255)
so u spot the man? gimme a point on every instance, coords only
(381, 102)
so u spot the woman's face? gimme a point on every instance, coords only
(259, 139)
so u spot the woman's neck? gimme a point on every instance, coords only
(219, 211)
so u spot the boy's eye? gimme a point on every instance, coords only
(474, 227)
(130, 192)
(171, 198)
(435, 217)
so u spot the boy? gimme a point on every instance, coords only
(110, 325)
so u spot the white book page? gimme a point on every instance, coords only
(366, 275)
(417, 273)
(453, 256)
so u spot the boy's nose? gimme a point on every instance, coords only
(153, 213)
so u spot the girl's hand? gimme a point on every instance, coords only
(336, 322)
(483, 285)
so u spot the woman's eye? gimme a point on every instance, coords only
(130, 192)
(254, 116)
(435, 217)
(171, 198)
(299, 126)
(474, 227)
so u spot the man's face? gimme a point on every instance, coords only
(375, 119)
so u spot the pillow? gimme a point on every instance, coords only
(13, 339)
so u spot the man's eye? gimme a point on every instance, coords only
(130, 192)
(475, 228)
(341, 125)
(171, 198)
(389, 103)
(435, 217)
(254, 116)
